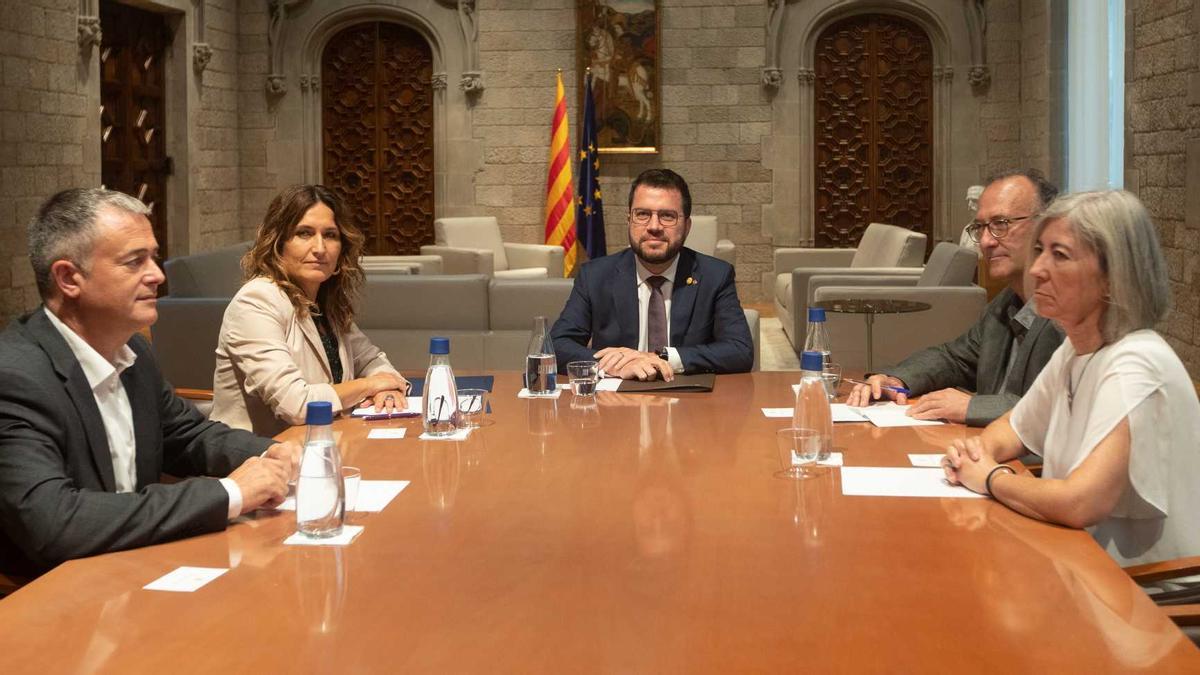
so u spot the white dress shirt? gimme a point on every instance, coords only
(104, 377)
(643, 291)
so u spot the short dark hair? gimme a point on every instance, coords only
(1046, 190)
(664, 179)
(64, 228)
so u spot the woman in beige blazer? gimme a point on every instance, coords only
(288, 336)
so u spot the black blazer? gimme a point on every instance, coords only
(708, 326)
(57, 491)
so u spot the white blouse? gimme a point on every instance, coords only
(1139, 377)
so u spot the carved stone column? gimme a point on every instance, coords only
(943, 219)
(201, 51)
(88, 26)
(807, 77)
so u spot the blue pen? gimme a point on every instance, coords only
(886, 387)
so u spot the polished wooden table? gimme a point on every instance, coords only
(639, 534)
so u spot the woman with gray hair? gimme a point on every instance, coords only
(1114, 414)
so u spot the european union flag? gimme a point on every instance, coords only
(589, 207)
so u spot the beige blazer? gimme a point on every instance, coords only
(271, 364)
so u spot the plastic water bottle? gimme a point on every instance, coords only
(812, 409)
(541, 367)
(439, 402)
(817, 338)
(320, 492)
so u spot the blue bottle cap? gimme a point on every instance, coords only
(439, 345)
(319, 412)
(816, 314)
(812, 361)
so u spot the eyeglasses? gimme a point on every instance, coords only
(997, 226)
(667, 219)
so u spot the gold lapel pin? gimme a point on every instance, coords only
(691, 281)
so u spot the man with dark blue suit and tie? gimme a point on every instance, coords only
(656, 308)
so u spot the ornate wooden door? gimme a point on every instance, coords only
(133, 146)
(873, 135)
(377, 123)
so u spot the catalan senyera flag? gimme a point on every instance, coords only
(589, 216)
(560, 193)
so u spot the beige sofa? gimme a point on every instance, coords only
(488, 321)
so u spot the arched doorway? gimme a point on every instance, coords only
(873, 128)
(377, 133)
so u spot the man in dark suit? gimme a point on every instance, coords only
(656, 308)
(87, 424)
(1001, 355)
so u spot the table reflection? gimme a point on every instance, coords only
(441, 464)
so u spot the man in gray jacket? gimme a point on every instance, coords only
(1002, 354)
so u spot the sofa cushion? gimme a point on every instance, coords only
(523, 273)
(889, 246)
(449, 302)
(472, 232)
(213, 274)
(514, 303)
(783, 288)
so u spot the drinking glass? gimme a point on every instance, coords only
(352, 477)
(471, 405)
(584, 375)
(798, 449)
(832, 374)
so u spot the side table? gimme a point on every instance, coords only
(869, 308)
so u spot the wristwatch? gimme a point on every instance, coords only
(663, 354)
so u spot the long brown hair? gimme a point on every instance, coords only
(337, 295)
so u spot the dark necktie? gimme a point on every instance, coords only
(656, 315)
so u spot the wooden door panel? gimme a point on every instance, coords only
(133, 147)
(873, 129)
(377, 118)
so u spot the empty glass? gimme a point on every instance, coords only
(471, 405)
(352, 477)
(832, 374)
(798, 449)
(584, 375)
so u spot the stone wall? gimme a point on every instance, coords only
(216, 144)
(1162, 95)
(44, 113)
(715, 115)
(1000, 113)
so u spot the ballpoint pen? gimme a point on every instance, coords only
(390, 416)
(885, 387)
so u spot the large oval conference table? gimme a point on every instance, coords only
(638, 533)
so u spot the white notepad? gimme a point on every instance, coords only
(875, 481)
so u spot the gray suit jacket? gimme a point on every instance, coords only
(977, 359)
(57, 490)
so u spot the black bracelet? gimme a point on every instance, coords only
(987, 484)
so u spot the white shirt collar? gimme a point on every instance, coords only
(643, 273)
(96, 368)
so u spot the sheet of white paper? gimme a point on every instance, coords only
(608, 384)
(349, 532)
(934, 461)
(185, 579)
(845, 413)
(393, 432)
(524, 393)
(841, 413)
(460, 435)
(414, 406)
(892, 415)
(374, 495)
(874, 481)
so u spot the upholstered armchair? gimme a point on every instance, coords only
(883, 250)
(473, 246)
(703, 239)
(945, 283)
